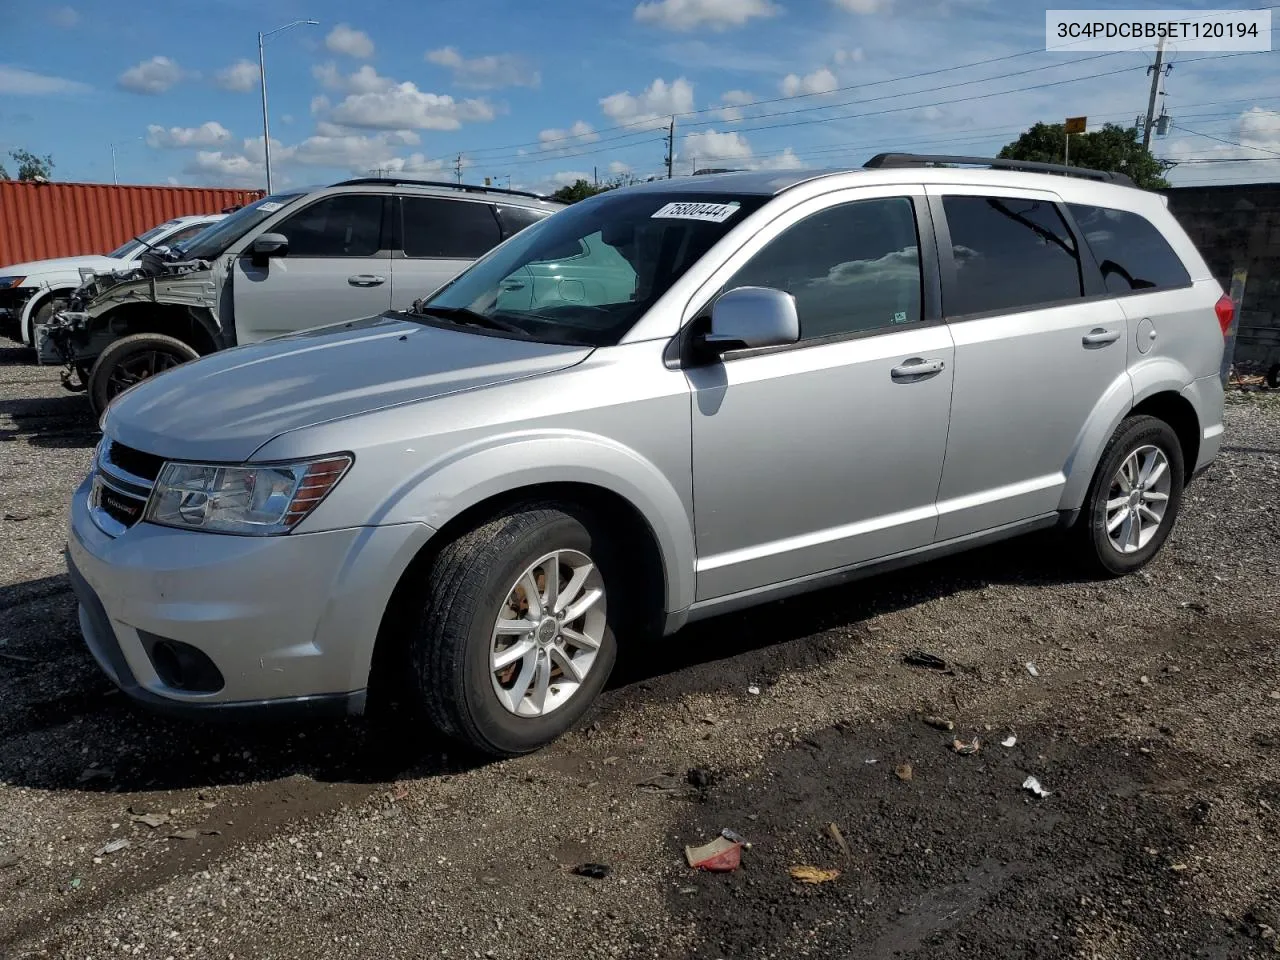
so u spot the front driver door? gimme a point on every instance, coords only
(337, 268)
(828, 453)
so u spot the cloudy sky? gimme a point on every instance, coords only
(539, 94)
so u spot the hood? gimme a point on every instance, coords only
(62, 265)
(225, 406)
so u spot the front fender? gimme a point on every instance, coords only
(444, 488)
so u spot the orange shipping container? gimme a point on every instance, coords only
(39, 221)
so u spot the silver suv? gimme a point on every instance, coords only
(296, 259)
(751, 385)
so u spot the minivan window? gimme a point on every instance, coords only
(514, 219)
(1010, 254)
(213, 242)
(638, 243)
(448, 229)
(1131, 253)
(343, 225)
(851, 268)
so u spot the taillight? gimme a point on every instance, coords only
(1226, 311)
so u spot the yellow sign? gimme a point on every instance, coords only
(1075, 124)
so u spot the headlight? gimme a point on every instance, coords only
(7, 283)
(253, 500)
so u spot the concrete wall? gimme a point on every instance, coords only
(1239, 226)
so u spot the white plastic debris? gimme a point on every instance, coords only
(753, 690)
(112, 847)
(1009, 741)
(1032, 784)
(1031, 669)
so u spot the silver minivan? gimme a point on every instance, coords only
(773, 382)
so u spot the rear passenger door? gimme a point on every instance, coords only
(439, 238)
(337, 268)
(1038, 345)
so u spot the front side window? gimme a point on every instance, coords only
(852, 268)
(217, 237)
(1010, 254)
(587, 273)
(448, 229)
(345, 225)
(1131, 253)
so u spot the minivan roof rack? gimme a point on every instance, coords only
(882, 160)
(465, 187)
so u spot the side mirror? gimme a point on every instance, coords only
(268, 245)
(747, 317)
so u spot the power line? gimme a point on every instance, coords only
(1231, 143)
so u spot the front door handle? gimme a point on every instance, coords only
(366, 280)
(916, 368)
(1099, 337)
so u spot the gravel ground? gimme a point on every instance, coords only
(1152, 717)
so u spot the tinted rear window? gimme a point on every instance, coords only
(1131, 252)
(515, 219)
(452, 229)
(1010, 253)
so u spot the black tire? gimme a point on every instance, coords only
(1097, 551)
(130, 360)
(1273, 377)
(43, 314)
(467, 585)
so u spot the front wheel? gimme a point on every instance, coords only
(1134, 498)
(131, 360)
(516, 637)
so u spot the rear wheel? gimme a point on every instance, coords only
(516, 638)
(131, 360)
(1134, 499)
(1273, 376)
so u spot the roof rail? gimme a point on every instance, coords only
(882, 160)
(465, 187)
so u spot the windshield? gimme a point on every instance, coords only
(587, 273)
(209, 244)
(127, 251)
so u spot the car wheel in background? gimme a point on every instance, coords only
(131, 360)
(1134, 498)
(516, 637)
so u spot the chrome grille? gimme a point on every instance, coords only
(118, 496)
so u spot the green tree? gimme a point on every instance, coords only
(1114, 148)
(30, 166)
(579, 190)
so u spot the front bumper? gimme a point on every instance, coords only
(289, 622)
(13, 300)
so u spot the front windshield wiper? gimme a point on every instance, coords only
(465, 317)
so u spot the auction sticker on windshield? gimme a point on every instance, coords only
(270, 206)
(711, 212)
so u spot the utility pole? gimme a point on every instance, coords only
(1156, 73)
(262, 78)
(595, 175)
(671, 145)
(457, 168)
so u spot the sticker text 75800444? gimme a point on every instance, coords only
(711, 212)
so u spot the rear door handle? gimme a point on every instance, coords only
(916, 367)
(366, 280)
(1099, 337)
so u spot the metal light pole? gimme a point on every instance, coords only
(262, 77)
(115, 177)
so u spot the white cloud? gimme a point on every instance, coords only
(653, 107)
(208, 134)
(402, 106)
(487, 72)
(735, 100)
(864, 7)
(286, 118)
(152, 76)
(319, 105)
(65, 17)
(1257, 130)
(556, 139)
(787, 160)
(618, 168)
(821, 80)
(231, 169)
(711, 148)
(850, 56)
(686, 15)
(352, 43)
(240, 77)
(364, 80)
(20, 82)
